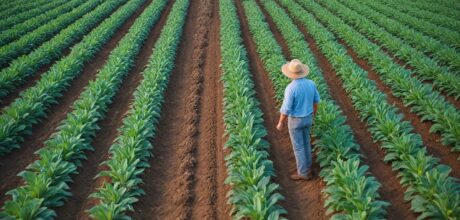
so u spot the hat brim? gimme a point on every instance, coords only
(303, 73)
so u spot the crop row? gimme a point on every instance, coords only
(429, 104)
(337, 152)
(131, 150)
(430, 188)
(21, 68)
(253, 194)
(31, 40)
(14, 7)
(441, 52)
(17, 119)
(425, 68)
(434, 7)
(434, 18)
(21, 17)
(448, 36)
(19, 30)
(46, 180)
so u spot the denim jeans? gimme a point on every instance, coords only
(299, 130)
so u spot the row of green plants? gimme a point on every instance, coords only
(350, 193)
(444, 34)
(425, 68)
(433, 18)
(253, 194)
(439, 51)
(20, 29)
(431, 190)
(18, 71)
(24, 16)
(130, 152)
(425, 102)
(32, 105)
(31, 40)
(46, 180)
(435, 8)
(14, 7)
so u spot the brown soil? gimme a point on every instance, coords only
(303, 200)
(30, 81)
(84, 184)
(17, 160)
(431, 140)
(186, 175)
(209, 191)
(390, 191)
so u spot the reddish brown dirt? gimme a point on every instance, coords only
(31, 81)
(209, 191)
(19, 159)
(185, 177)
(303, 200)
(390, 191)
(431, 140)
(84, 183)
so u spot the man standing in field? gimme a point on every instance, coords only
(299, 107)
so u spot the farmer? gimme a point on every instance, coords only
(299, 107)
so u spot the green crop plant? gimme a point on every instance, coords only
(25, 16)
(442, 53)
(13, 7)
(131, 150)
(46, 180)
(19, 30)
(31, 40)
(253, 194)
(404, 150)
(334, 140)
(444, 34)
(17, 119)
(425, 102)
(425, 68)
(20, 69)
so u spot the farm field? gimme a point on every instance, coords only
(167, 109)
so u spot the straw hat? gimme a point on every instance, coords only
(295, 69)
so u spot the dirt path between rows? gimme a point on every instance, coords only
(185, 180)
(84, 183)
(390, 191)
(17, 160)
(433, 141)
(303, 199)
(209, 189)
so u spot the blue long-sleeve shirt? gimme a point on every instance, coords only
(299, 97)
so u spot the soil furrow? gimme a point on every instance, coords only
(168, 183)
(433, 141)
(207, 190)
(84, 183)
(17, 160)
(303, 200)
(390, 191)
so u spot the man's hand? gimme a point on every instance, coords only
(280, 126)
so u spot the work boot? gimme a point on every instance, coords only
(297, 177)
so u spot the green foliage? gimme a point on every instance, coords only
(425, 68)
(444, 34)
(17, 119)
(30, 14)
(334, 140)
(253, 194)
(46, 180)
(18, 30)
(429, 104)
(131, 150)
(404, 149)
(13, 7)
(31, 40)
